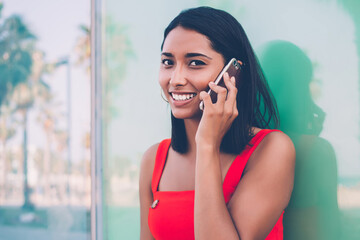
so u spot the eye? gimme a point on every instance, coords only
(196, 63)
(167, 62)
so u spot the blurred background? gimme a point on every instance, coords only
(45, 187)
(309, 51)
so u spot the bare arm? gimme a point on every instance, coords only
(260, 197)
(212, 218)
(264, 190)
(145, 193)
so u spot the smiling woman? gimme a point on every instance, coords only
(190, 184)
(188, 64)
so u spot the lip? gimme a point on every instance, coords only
(182, 92)
(181, 103)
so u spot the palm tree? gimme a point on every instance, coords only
(24, 99)
(48, 114)
(16, 47)
(7, 131)
(116, 53)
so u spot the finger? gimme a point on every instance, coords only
(221, 92)
(230, 85)
(229, 82)
(230, 109)
(235, 110)
(205, 97)
(232, 92)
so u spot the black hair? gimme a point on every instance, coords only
(255, 102)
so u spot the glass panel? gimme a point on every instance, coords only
(45, 188)
(313, 72)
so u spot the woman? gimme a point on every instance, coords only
(190, 185)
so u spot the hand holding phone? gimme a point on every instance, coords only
(233, 69)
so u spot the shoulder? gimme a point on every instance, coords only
(277, 150)
(145, 191)
(149, 156)
(148, 160)
(278, 142)
(147, 167)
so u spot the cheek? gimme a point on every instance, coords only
(163, 79)
(202, 80)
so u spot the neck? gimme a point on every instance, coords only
(191, 126)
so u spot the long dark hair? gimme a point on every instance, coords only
(255, 102)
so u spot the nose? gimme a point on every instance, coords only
(178, 77)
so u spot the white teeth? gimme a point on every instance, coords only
(182, 97)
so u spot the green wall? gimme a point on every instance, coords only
(309, 51)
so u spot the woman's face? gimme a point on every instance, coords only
(188, 64)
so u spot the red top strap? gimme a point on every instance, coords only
(234, 173)
(160, 159)
(236, 169)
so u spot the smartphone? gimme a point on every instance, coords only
(233, 69)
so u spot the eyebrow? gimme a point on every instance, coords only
(188, 55)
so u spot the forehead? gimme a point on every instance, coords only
(181, 39)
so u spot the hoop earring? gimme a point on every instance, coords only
(161, 94)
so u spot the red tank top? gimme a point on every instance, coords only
(171, 215)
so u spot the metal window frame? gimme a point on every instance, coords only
(96, 121)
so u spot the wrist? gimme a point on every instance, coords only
(209, 148)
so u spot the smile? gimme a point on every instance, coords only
(182, 97)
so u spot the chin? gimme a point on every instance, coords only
(183, 114)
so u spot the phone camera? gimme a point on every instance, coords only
(235, 63)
